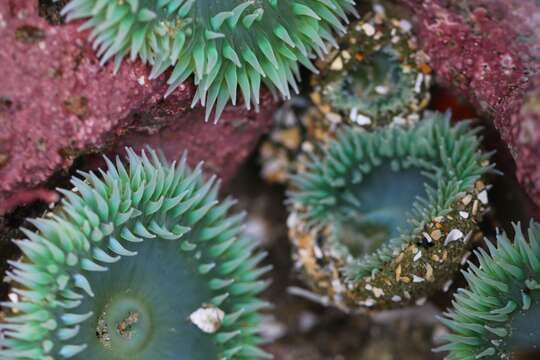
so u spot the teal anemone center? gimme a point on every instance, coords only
(524, 335)
(369, 85)
(384, 199)
(142, 306)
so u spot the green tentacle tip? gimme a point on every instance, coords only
(376, 77)
(497, 316)
(141, 262)
(225, 44)
(382, 219)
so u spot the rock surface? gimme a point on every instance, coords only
(488, 50)
(57, 103)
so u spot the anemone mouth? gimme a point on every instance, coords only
(496, 316)
(375, 78)
(141, 263)
(226, 45)
(390, 208)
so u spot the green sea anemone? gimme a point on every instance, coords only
(497, 316)
(225, 44)
(139, 263)
(376, 77)
(384, 218)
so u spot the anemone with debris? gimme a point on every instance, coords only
(226, 44)
(496, 316)
(141, 262)
(376, 77)
(383, 219)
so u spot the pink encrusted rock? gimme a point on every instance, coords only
(488, 50)
(57, 103)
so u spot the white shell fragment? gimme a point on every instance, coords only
(405, 25)
(453, 235)
(362, 120)
(483, 197)
(208, 318)
(368, 29)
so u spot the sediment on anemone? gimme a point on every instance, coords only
(383, 219)
(226, 45)
(496, 316)
(140, 262)
(376, 77)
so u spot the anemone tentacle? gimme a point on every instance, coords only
(496, 316)
(226, 45)
(384, 218)
(139, 262)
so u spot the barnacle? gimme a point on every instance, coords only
(225, 44)
(141, 262)
(376, 77)
(384, 218)
(496, 317)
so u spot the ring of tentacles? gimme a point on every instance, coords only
(382, 219)
(141, 262)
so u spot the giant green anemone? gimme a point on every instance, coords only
(226, 44)
(497, 316)
(384, 218)
(376, 77)
(138, 263)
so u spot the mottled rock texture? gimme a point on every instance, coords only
(489, 51)
(57, 103)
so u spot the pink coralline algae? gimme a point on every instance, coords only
(489, 51)
(57, 102)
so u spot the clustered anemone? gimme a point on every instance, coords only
(225, 44)
(497, 316)
(375, 78)
(141, 262)
(384, 218)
